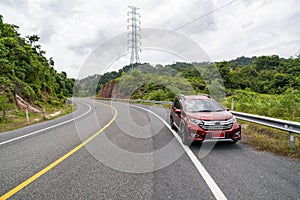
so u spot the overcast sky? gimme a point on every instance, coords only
(70, 30)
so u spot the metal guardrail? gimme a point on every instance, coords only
(285, 125)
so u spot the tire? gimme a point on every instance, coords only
(172, 123)
(184, 137)
(234, 141)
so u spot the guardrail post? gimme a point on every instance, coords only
(232, 104)
(44, 113)
(27, 116)
(292, 146)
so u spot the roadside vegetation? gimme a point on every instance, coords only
(28, 79)
(17, 118)
(284, 106)
(269, 139)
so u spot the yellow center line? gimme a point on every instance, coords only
(46, 169)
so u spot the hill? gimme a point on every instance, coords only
(27, 77)
(264, 74)
(265, 85)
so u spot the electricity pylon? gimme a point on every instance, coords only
(134, 38)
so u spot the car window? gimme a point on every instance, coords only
(180, 104)
(202, 105)
(176, 104)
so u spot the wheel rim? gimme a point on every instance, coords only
(184, 136)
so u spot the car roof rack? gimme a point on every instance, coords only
(181, 95)
(207, 95)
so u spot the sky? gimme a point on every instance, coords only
(72, 30)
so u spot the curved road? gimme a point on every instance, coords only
(111, 150)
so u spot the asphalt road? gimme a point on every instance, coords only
(116, 151)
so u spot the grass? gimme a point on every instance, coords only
(270, 140)
(284, 106)
(17, 118)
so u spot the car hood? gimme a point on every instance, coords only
(222, 115)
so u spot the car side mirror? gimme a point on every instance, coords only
(227, 109)
(177, 111)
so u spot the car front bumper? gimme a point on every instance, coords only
(196, 133)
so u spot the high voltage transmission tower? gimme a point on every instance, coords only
(134, 38)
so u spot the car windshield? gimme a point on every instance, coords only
(202, 105)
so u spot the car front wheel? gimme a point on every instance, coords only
(172, 123)
(234, 141)
(184, 136)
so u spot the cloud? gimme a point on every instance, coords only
(71, 29)
(263, 27)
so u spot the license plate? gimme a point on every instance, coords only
(218, 135)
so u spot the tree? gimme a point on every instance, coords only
(281, 82)
(32, 39)
(26, 71)
(3, 107)
(224, 70)
(266, 62)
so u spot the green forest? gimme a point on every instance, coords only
(27, 73)
(264, 85)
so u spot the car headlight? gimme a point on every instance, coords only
(232, 120)
(196, 121)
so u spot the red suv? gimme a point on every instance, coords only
(200, 118)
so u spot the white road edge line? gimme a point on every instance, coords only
(44, 129)
(217, 192)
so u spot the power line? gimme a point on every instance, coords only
(205, 15)
(185, 12)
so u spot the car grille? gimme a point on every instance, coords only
(216, 125)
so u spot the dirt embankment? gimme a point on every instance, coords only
(23, 105)
(109, 90)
